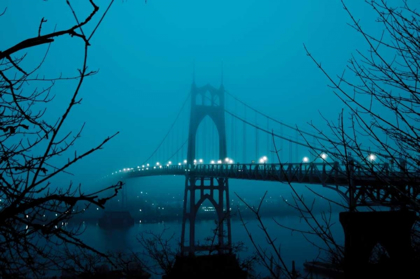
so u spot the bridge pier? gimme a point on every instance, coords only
(364, 230)
(197, 190)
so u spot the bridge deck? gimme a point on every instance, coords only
(378, 187)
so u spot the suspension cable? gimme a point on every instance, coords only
(170, 129)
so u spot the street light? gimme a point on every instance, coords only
(372, 157)
(201, 161)
(305, 159)
(263, 159)
(212, 162)
(185, 161)
(324, 156)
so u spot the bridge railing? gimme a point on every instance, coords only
(301, 172)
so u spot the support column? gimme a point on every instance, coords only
(201, 189)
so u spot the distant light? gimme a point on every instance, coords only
(154, 167)
(231, 161)
(372, 157)
(201, 160)
(212, 162)
(157, 163)
(219, 161)
(143, 165)
(166, 165)
(324, 156)
(160, 167)
(138, 167)
(185, 161)
(147, 165)
(227, 160)
(305, 159)
(263, 159)
(179, 164)
(170, 163)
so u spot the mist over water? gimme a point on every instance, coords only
(150, 55)
(293, 246)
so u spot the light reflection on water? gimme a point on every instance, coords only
(292, 244)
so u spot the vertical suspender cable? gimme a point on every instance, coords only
(268, 141)
(244, 137)
(281, 145)
(232, 139)
(212, 144)
(290, 151)
(296, 146)
(256, 138)
(204, 139)
(235, 131)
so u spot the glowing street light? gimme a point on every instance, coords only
(372, 157)
(179, 164)
(219, 161)
(147, 165)
(195, 161)
(227, 160)
(305, 159)
(324, 156)
(185, 161)
(230, 161)
(263, 160)
(212, 162)
(157, 164)
(170, 163)
(201, 161)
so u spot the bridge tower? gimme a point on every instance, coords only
(206, 101)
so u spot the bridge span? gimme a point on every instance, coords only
(371, 188)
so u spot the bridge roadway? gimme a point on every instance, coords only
(370, 188)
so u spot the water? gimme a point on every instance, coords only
(293, 245)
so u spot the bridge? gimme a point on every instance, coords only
(207, 153)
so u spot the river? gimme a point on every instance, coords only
(293, 246)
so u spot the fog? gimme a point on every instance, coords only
(145, 54)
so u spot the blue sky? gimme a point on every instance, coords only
(145, 53)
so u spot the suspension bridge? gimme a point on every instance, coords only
(219, 137)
